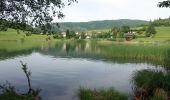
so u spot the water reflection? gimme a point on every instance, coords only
(91, 50)
(60, 69)
(9, 92)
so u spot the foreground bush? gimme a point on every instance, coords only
(154, 85)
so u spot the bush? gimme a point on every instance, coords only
(57, 36)
(150, 30)
(151, 81)
(28, 34)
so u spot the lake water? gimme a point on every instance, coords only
(59, 71)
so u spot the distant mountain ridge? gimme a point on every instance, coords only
(92, 25)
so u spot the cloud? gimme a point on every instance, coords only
(87, 10)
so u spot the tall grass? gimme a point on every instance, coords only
(145, 53)
(111, 94)
(156, 84)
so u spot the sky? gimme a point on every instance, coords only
(91, 10)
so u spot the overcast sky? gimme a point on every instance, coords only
(90, 10)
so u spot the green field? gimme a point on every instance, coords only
(12, 35)
(12, 41)
(162, 35)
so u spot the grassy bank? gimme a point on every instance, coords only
(158, 54)
(111, 94)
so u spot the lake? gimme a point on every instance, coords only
(60, 69)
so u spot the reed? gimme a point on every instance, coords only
(111, 94)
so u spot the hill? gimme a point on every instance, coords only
(93, 25)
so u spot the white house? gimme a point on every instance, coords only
(63, 34)
(77, 33)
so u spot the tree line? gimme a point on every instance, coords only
(162, 22)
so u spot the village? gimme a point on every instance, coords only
(129, 35)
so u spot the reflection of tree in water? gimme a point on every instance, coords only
(5, 54)
(8, 92)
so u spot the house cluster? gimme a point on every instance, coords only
(80, 35)
(130, 35)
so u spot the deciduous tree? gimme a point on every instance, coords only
(33, 12)
(164, 4)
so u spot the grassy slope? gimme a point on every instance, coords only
(11, 41)
(163, 34)
(11, 35)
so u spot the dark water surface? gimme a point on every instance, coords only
(61, 70)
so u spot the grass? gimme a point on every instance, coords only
(111, 94)
(163, 32)
(14, 96)
(155, 83)
(12, 35)
(144, 53)
(162, 35)
(10, 41)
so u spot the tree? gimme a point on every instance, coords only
(115, 32)
(3, 25)
(67, 33)
(83, 35)
(150, 30)
(125, 29)
(72, 34)
(33, 12)
(164, 4)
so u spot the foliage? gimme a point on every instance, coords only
(162, 22)
(111, 94)
(150, 30)
(57, 36)
(67, 34)
(83, 35)
(72, 34)
(125, 29)
(115, 31)
(151, 81)
(3, 25)
(32, 12)
(164, 3)
(28, 33)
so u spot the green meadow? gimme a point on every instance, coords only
(162, 35)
